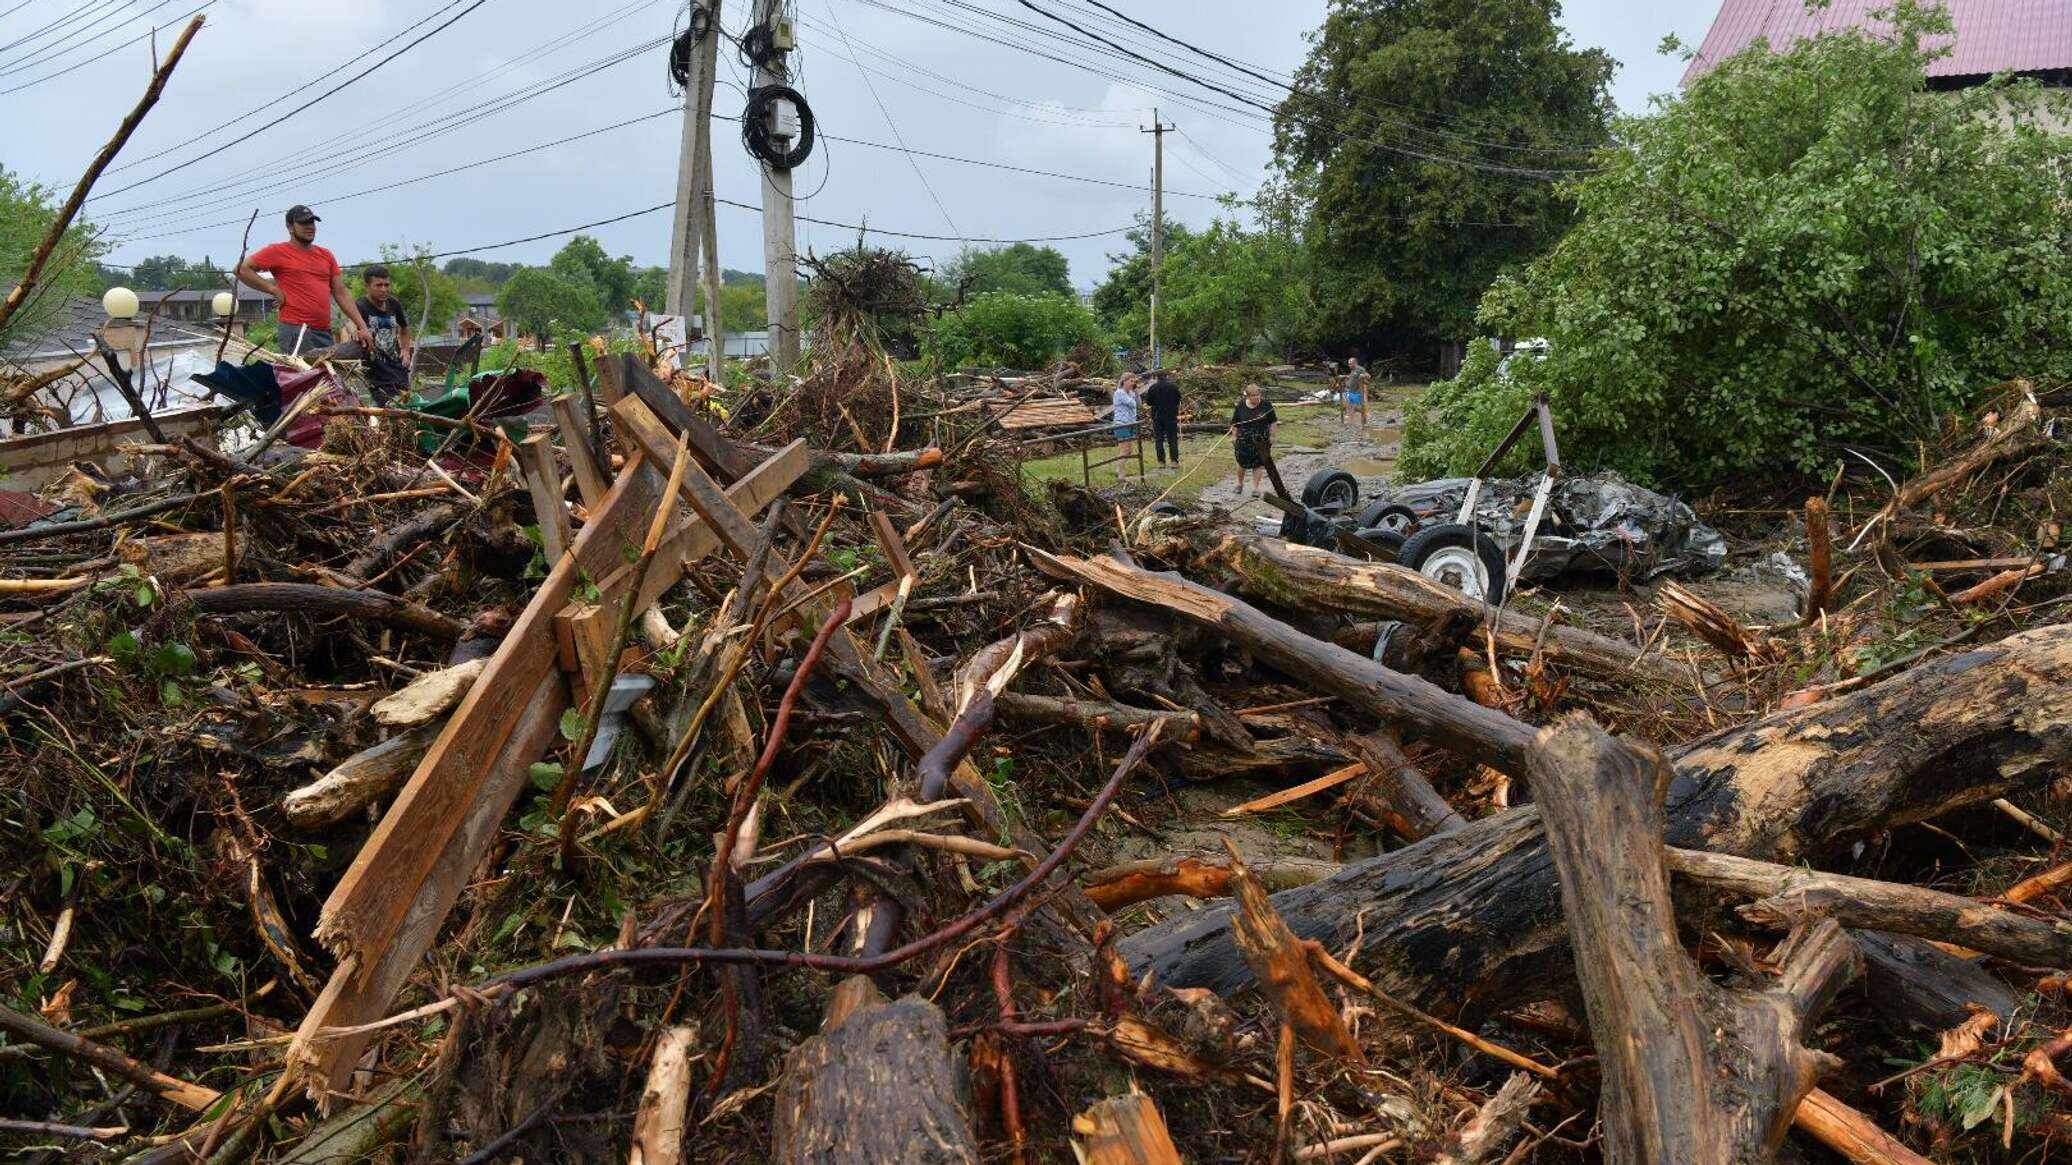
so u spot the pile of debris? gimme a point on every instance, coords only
(706, 775)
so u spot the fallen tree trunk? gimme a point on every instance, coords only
(1412, 705)
(369, 606)
(1308, 579)
(1469, 919)
(1785, 893)
(877, 1084)
(1692, 1073)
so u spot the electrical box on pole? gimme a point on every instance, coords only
(777, 126)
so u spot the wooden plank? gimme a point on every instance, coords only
(364, 995)
(576, 441)
(385, 911)
(543, 482)
(891, 543)
(1329, 780)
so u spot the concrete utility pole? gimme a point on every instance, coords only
(780, 238)
(1158, 131)
(693, 162)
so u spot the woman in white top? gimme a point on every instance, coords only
(1125, 421)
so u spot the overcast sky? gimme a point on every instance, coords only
(873, 70)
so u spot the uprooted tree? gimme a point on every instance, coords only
(1805, 251)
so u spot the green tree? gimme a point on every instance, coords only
(1001, 329)
(1804, 252)
(582, 260)
(1021, 268)
(26, 212)
(411, 282)
(537, 300)
(1122, 302)
(495, 275)
(1414, 123)
(173, 273)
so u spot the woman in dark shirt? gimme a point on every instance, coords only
(1252, 424)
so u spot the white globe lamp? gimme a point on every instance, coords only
(120, 303)
(224, 303)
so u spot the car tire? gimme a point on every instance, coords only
(1389, 540)
(1169, 509)
(1331, 490)
(1389, 516)
(1459, 556)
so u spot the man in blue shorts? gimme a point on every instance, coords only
(1355, 397)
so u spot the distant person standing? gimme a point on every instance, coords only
(1252, 426)
(1356, 384)
(388, 357)
(1164, 398)
(306, 282)
(1124, 400)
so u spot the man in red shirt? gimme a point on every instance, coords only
(306, 282)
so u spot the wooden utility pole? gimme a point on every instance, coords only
(693, 161)
(715, 331)
(1158, 131)
(780, 238)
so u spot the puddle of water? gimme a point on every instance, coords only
(1366, 467)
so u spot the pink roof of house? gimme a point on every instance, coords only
(1992, 35)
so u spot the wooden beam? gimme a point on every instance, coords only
(543, 482)
(625, 376)
(384, 913)
(576, 441)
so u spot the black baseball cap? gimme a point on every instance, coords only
(302, 214)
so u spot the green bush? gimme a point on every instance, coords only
(1805, 252)
(1005, 330)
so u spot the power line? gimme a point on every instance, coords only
(661, 206)
(45, 54)
(392, 141)
(894, 127)
(10, 46)
(110, 51)
(336, 198)
(305, 105)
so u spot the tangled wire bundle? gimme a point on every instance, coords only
(680, 49)
(755, 127)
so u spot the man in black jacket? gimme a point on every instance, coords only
(1164, 398)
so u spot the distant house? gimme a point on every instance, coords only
(197, 305)
(480, 315)
(2030, 38)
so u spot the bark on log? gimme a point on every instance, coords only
(1470, 918)
(1920, 986)
(371, 606)
(877, 1084)
(376, 558)
(1306, 578)
(658, 1130)
(1692, 1073)
(1785, 893)
(360, 779)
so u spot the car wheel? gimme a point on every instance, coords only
(1389, 516)
(1331, 490)
(1459, 556)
